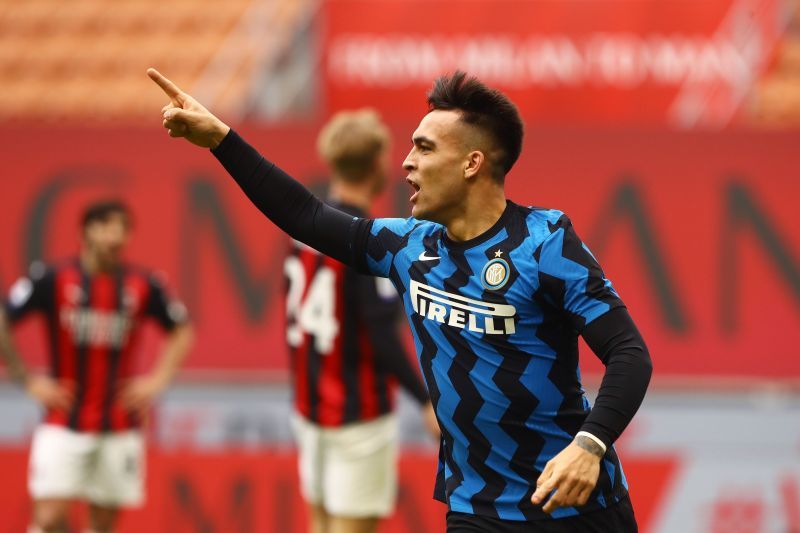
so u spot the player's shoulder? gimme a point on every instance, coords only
(542, 222)
(402, 227)
(39, 270)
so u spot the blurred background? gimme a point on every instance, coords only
(667, 129)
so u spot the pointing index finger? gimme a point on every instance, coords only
(166, 85)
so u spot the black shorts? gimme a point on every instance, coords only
(618, 518)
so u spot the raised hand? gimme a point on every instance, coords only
(184, 117)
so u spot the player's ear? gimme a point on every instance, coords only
(473, 164)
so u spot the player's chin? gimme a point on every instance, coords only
(419, 211)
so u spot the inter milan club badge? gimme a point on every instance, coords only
(495, 273)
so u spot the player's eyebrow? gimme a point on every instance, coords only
(421, 139)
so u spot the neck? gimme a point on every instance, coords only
(480, 213)
(356, 194)
(92, 264)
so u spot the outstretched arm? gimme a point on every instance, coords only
(281, 198)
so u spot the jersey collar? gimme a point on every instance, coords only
(449, 243)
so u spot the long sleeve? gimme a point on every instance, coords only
(615, 339)
(292, 207)
(572, 280)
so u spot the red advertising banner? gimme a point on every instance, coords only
(699, 233)
(677, 63)
(257, 491)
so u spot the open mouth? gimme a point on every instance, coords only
(416, 190)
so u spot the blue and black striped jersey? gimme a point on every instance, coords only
(496, 322)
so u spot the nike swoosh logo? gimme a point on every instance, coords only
(423, 257)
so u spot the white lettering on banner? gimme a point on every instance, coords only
(462, 312)
(621, 61)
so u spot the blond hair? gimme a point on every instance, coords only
(351, 141)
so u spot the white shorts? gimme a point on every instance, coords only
(106, 469)
(351, 471)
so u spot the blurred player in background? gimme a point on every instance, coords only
(346, 351)
(497, 295)
(90, 446)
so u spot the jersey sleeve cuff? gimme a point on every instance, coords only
(227, 144)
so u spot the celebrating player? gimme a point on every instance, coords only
(496, 294)
(90, 446)
(346, 352)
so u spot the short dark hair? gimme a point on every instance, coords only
(101, 210)
(485, 108)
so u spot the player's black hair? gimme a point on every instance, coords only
(486, 108)
(101, 210)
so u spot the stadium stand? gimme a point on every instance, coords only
(85, 59)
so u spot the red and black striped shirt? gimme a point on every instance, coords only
(93, 323)
(341, 328)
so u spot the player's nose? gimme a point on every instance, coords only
(409, 164)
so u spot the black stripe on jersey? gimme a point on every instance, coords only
(557, 333)
(470, 400)
(574, 251)
(81, 356)
(313, 364)
(561, 337)
(426, 355)
(115, 353)
(350, 351)
(387, 241)
(402, 243)
(610, 491)
(507, 377)
(55, 345)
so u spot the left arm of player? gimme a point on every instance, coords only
(596, 311)
(140, 393)
(615, 339)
